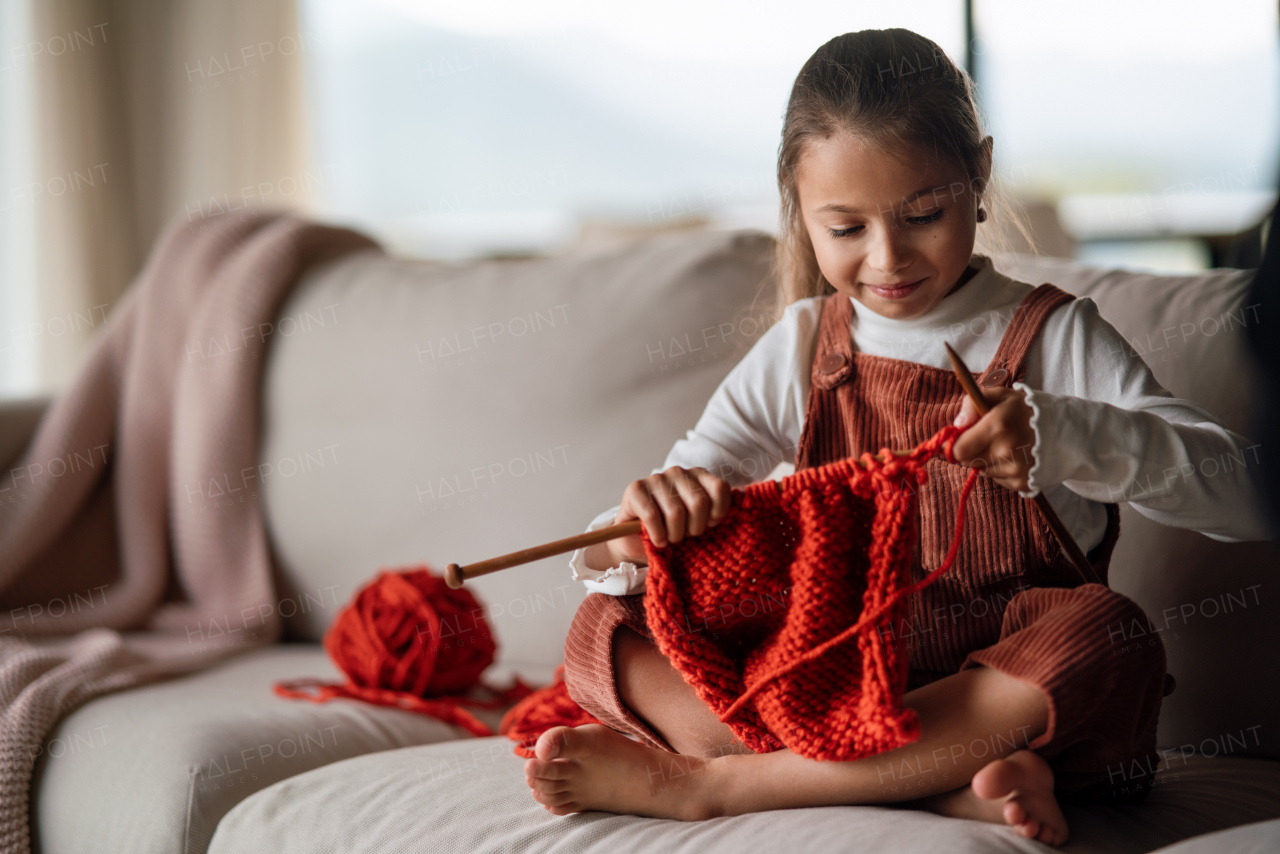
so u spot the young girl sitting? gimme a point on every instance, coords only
(1023, 699)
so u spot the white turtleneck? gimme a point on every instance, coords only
(1105, 430)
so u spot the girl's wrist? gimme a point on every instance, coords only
(614, 548)
(598, 557)
(602, 556)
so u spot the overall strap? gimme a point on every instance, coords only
(833, 356)
(1009, 364)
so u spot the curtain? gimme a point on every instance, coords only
(147, 110)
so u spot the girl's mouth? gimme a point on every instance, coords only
(900, 290)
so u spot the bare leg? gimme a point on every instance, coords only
(659, 696)
(967, 721)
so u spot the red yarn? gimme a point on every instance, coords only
(540, 711)
(410, 641)
(812, 566)
(813, 543)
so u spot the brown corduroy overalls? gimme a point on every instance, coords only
(1012, 602)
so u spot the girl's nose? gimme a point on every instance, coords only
(888, 253)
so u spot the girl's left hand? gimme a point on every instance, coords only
(1000, 442)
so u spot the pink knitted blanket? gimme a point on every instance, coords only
(104, 571)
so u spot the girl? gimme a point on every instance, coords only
(1024, 700)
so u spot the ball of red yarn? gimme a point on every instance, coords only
(409, 631)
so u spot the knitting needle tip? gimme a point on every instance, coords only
(961, 370)
(453, 576)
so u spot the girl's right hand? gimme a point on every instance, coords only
(669, 505)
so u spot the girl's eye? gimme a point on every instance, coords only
(844, 232)
(926, 219)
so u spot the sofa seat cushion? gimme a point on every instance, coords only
(154, 769)
(471, 796)
(1252, 838)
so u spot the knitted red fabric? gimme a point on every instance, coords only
(410, 641)
(810, 567)
(540, 711)
(774, 616)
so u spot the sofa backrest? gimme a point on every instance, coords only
(420, 412)
(435, 413)
(1211, 604)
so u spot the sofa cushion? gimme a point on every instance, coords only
(434, 412)
(471, 796)
(153, 769)
(1252, 838)
(444, 413)
(1211, 604)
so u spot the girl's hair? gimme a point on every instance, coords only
(893, 88)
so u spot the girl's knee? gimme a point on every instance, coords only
(1088, 605)
(640, 670)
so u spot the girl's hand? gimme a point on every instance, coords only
(670, 505)
(1000, 442)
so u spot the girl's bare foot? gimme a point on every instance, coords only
(593, 767)
(1017, 791)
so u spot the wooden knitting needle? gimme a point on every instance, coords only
(455, 576)
(1060, 532)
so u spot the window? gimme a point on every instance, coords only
(508, 127)
(1148, 130)
(1151, 125)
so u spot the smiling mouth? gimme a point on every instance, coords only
(896, 291)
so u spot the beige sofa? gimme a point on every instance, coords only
(421, 412)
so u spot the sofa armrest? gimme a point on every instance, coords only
(18, 420)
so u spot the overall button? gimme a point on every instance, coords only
(831, 362)
(996, 378)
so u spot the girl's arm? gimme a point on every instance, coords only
(751, 423)
(1107, 431)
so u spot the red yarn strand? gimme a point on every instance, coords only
(389, 642)
(540, 711)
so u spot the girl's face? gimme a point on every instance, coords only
(893, 232)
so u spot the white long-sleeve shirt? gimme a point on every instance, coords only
(1105, 430)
